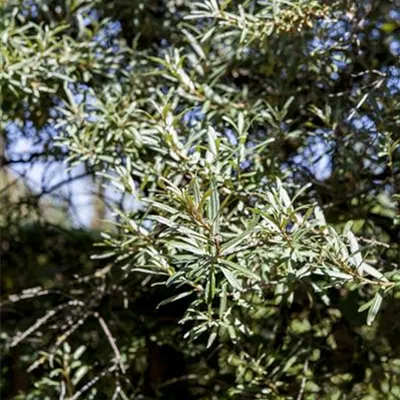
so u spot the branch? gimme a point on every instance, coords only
(111, 340)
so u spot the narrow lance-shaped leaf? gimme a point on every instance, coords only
(240, 269)
(187, 247)
(319, 215)
(231, 244)
(211, 339)
(370, 270)
(174, 298)
(212, 151)
(214, 207)
(355, 257)
(223, 301)
(231, 279)
(374, 309)
(210, 286)
(196, 190)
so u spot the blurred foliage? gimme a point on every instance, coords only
(260, 143)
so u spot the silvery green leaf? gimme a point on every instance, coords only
(214, 207)
(227, 247)
(347, 227)
(212, 152)
(211, 339)
(374, 309)
(162, 206)
(174, 298)
(355, 256)
(240, 269)
(231, 279)
(334, 274)
(210, 286)
(283, 194)
(196, 190)
(365, 306)
(187, 247)
(195, 44)
(223, 301)
(370, 270)
(148, 271)
(319, 215)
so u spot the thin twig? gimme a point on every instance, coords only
(303, 381)
(92, 382)
(116, 392)
(41, 321)
(111, 340)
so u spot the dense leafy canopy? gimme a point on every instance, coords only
(259, 144)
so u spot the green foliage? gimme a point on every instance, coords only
(247, 268)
